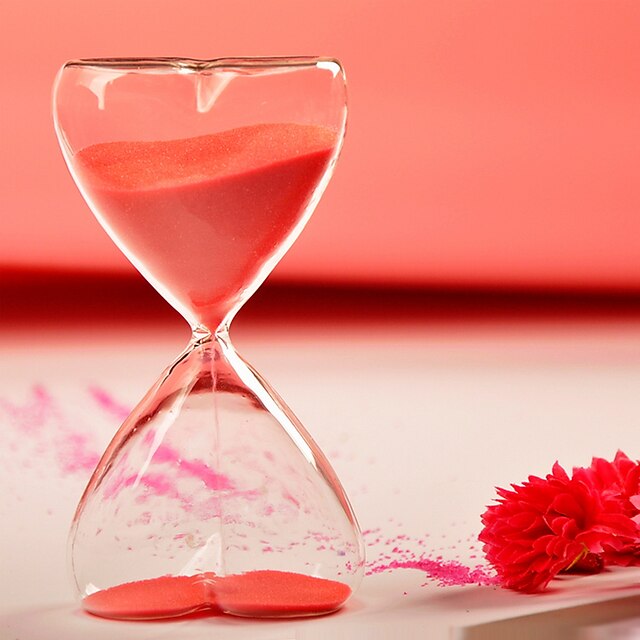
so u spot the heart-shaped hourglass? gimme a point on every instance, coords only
(211, 495)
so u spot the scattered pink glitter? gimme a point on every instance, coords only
(193, 468)
(31, 417)
(40, 431)
(42, 434)
(397, 553)
(74, 453)
(446, 573)
(108, 403)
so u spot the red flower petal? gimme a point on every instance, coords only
(557, 523)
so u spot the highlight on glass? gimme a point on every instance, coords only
(211, 495)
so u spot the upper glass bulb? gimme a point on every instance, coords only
(203, 173)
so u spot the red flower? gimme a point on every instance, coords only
(618, 482)
(545, 526)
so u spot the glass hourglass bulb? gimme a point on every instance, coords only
(211, 495)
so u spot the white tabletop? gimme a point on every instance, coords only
(421, 417)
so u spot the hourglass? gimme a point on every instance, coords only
(211, 495)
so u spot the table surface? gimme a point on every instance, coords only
(421, 418)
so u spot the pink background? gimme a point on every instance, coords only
(489, 143)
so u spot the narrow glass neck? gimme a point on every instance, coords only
(202, 335)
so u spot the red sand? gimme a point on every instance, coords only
(256, 593)
(157, 598)
(279, 593)
(204, 214)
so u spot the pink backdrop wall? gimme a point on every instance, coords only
(489, 143)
